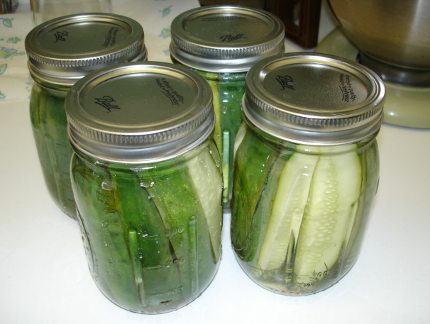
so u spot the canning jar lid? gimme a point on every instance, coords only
(64, 49)
(315, 99)
(139, 112)
(225, 38)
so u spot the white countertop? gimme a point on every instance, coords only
(44, 276)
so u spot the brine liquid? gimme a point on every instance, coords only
(282, 239)
(153, 244)
(49, 125)
(228, 90)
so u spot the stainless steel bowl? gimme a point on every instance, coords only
(395, 32)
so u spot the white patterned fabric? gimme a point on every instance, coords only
(15, 83)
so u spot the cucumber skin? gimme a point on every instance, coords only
(282, 280)
(147, 242)
(49, 124)
(328, 215)
(369, 158)
(252, 165)
(228, 89)
(152, 209)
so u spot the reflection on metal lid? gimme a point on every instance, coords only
(63, 50)
(139, 113)
(225, 38)
(313, 98)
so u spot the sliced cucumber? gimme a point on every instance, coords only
(227, 89)
(208, 188)
(49, 126)
(252, 165)
(297, 218)
(331, 207)
(217, 134)
(152, 233)
(148, 244)
(103, 234)
(287, 211)
(313, 212)
(370, 179)
(239, 138)
(179, 204)
(259, 220)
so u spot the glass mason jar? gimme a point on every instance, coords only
(60, 52)
(306, 170)
(222, 43)
(147, 183)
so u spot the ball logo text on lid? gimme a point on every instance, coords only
(139, 112)
(315, 99)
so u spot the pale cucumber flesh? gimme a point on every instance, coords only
(315, 209)
(205, 176)
(287, 211)
(227, 89)
(331, 207)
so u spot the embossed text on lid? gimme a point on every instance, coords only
(64, 49)
(313, 98)
(138, 113)
(225, 38)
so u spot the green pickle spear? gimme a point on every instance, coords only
(296, 215)
(61, 52)
(103, 233)
(331, 208)
(172, 221)
(227, 89)
(222, 43)
(307, 170)
(48, 121)
(287, 210)
(255, 161)
(147, 180)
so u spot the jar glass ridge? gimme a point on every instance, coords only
(152, 238)
(306, 170)
(221, 43)
(58, 56)
(49, 124)
(147, 181)
(299, 212)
